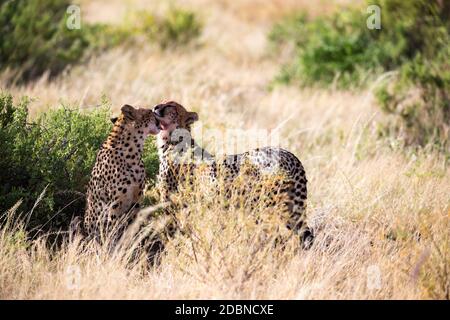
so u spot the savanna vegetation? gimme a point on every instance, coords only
(345, 50)
(366, 110)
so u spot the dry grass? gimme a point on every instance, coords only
(376, 209)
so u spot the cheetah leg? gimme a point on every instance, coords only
(298, 225)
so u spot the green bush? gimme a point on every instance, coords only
(413, 40)
(104, 36)
(327, 50)
(151, 160)
(342, 48)
(54, 153)
(177, 27)
(418, 101)
(34, 37)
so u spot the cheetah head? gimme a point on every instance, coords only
(172, 116)
(138, 119)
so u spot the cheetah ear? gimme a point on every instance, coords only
(128, 112)
(191, 118)
(114, 119)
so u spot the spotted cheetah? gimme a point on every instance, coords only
(174, 119)
(117, 180)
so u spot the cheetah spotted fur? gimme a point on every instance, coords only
(172, 117)
(118, 176)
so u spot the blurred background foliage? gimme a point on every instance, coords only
(35, 39)
(342, 51)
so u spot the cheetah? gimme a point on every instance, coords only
(174, 118)
(118, 176)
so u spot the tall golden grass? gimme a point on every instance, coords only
(381, 213)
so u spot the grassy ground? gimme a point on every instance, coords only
(381, 213)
